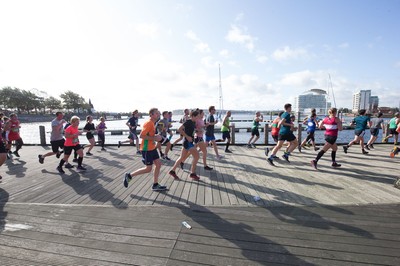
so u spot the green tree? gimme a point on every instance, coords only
(52, 103)
(73, 101)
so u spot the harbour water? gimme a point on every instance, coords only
(30, 131)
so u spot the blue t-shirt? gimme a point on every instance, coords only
(311, 125)
(284, 130)
(361, 122)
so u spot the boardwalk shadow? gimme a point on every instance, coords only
(92, 187)
(3, 214)
(16, 167)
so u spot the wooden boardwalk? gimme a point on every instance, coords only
(345, 216)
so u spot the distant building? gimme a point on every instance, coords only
(363, 100)
(314, 98)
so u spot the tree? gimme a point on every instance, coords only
(52, 103)
(73, 101)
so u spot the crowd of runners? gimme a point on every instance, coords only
(196, 134)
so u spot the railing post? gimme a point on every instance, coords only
(386, 130)
(233, 133)
(266, 134)
(42, 135)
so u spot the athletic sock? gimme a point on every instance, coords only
(61, 163)
(80, 159)
(319, 155)
(227, 146)
(333, 155)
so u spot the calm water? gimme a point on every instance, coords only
(30, 132)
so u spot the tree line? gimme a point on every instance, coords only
(24, 101)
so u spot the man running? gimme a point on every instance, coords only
(393, 123)
(376, 124)
(285, 134)
(255, 133)
(226, 131)
(210, 137)
(361, 122)
(133, 123)
(149, 152)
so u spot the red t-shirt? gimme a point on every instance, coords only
(71, 141)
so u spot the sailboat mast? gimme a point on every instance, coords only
(331, 87)
(221, 100)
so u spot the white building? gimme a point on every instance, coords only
(361, 100)
(314, 98)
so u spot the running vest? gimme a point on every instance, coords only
(392, 123)
(330, 126)
(255, 124)
(275, 128)
(311, 125)
(226, 128)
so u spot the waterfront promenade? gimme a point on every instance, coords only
(345, 216)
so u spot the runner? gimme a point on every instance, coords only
(185, 117)
(56, 139)
(199, 138)
(132, 123)
(89, 129)
(210, 137)
(162, 128)
(285, 134)
(255, 133)
(361, 122)
(3, 152)
(275, 127)
(12, 127)
(393, 123)
(101, 127)
(149, 152)
(72, 143)
(376, 124)
(311, 126)
(225, 129)
(332, 125)
(187, 130)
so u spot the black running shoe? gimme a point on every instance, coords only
(266, 151)
(194, 176)
(207, 168)
(81, 168)
(228, 151)
(41, 159)
(286, 157)
(158, 187)
(366, 147)
(314, 164)
(172, 145)
(364, 152)
(60, 170)
(182, 165)
(75, 160)
(89, 153)
(335, 164)
(127, 179)
(58, 154)
(173, 174)
(119, 144)
(270, 161)
(345, 148)
(69, 166)
(371, 146)
(16, 153)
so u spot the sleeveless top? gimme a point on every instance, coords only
(226, 128)
(330, 126)
(275, 128)
(392, 123)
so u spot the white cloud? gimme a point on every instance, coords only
(236, 35)
(288, 53)
(262, 59)
(151, 30)
(225, 53)
(344, 45)
(239, 17)
(209, 61)
(199, 45)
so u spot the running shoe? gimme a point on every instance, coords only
(228, 151)
(316, 149)
(314, 164)
(75, 160)
(270, 161)
(249, 146)
(364, 151)
(384, 140)
(89, 153)
(266, 151)
(371, 146)
(103, 149)
(286, 157)
(172, 145)
(253, 146)
(41, 159)
(167, 158)
(194, 176)
(60, 170)
(397, 183)
(299, 148)
(69, 166)
(16, 153)
(275, 157)
(127, 179)
(207, 168)
(335, 164)
(58, 154)
(158, 187)
(394, 151)
(366, 147)
(119, 144)
(182, 165)
(138, 152)
(173, 174)
(219, 157)
(81, 168)
(345, 148)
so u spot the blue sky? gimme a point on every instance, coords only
(127, 55)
